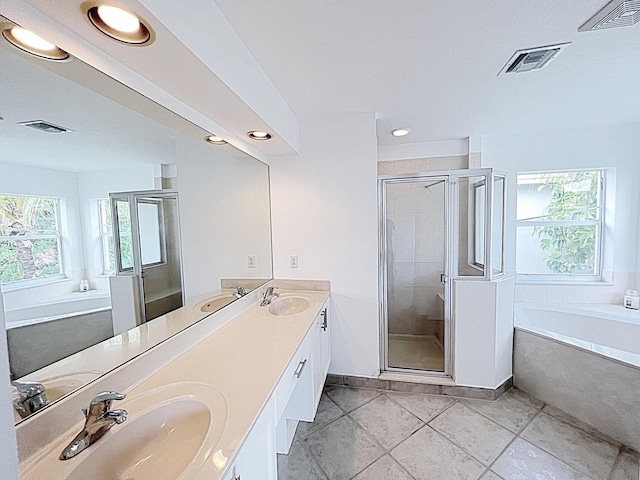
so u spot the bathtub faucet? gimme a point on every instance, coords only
(31, 397)
(99, 419)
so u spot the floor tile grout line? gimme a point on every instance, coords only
(553, 454)
(315, 460)
(539, 447)
(353, 410)
(405, 409)
(538, 410)
(613, 469)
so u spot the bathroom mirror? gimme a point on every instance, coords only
(69, 137)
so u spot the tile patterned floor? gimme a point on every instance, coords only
(364, 434)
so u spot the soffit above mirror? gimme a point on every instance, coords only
(169, 73)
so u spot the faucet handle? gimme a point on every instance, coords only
(27, 389)
(102, 403)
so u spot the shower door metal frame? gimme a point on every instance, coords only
(138, 267)
(450, 202)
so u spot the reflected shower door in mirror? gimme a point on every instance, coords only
(147, 246)
(57, 241)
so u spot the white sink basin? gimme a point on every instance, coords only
(215, 303)
(289, 305)
(167, 435)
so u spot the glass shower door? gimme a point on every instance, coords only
(415, 238)
(147, 231)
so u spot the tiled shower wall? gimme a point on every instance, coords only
(415, 229)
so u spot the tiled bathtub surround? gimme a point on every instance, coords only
(368, 434)
(602, 392)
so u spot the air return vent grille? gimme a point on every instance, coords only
(614, 14)
(45, 126)
(532, 59)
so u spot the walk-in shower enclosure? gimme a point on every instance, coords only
(146, 231)
(435, 228)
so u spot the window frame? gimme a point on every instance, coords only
(600, 224)
(39, 281)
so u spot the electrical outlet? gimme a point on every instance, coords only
(251, 261)
(293, 261)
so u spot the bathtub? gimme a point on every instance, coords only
(584, 360)
(66, 305)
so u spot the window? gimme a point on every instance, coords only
(29, 239)
(560, 218)
(106, 237)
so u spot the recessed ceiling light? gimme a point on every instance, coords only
(400, 132)
(120, 24)
(29, 42)
(259, 135)
(216, 140)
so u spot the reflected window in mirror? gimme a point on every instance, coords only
(106, 237)
(30, 240)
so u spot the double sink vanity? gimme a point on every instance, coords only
(226, 397)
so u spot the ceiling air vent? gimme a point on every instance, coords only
(614, 14)
(532, 58)
(45, 126)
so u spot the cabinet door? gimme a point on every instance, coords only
(257, 458)
(321, 353)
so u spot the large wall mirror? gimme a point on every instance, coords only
(56, 232)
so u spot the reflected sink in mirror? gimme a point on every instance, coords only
(289, 305)
(215, 303)
(58, 386)
(168, 433)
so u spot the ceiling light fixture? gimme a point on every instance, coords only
(29, 42)
(215, 140)
(259, 135)
(120, 24)
(400, 132)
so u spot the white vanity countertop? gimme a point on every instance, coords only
(244, 360)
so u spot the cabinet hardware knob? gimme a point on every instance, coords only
(300, 368)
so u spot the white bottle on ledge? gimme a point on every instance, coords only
(632, 299)
(84, 285)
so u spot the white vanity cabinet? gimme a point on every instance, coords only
(295, 398)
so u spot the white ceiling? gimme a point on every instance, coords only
(432, 65)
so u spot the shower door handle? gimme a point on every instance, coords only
(443, 278)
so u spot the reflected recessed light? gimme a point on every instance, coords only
(216, 140)
(29, 42)
(120, 24)
(400, 132)
(259, 135)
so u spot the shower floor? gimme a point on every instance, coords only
(418, 352)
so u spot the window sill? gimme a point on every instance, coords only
(592, 283)
(33, 284)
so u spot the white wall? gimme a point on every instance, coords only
(613, 146)
(324, 210)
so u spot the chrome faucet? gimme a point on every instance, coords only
(269, 294)
(31, 397)
(240, 292)
(99, 419)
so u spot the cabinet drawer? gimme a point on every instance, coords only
(298, 368)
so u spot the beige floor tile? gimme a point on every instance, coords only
(298, 464)
(524, 397)
(491, 476)
(386, 421)
(425, 407)
(343, 449)
(582, 451)
(349, 398)
(427, 455)
(384, 469)
(627, 466)
(523, 461)
(481, 437)
(506, 411)
(327, 412)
